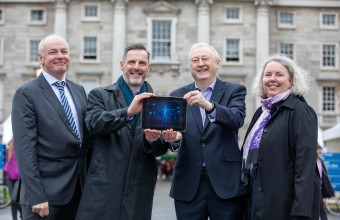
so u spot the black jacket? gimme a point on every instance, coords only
(288, 183)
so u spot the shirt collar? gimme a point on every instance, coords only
(50, 79)
(211, 86)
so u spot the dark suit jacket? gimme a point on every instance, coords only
(216, 144)
(50, 157)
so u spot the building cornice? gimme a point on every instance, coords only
(307, 3)
(161, 7)
(32, 1)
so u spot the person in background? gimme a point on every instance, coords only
(321, 167)
(206, 181)
(325, 182)
(279, 160)
(51, 139)
(123, 171)
(13, 179)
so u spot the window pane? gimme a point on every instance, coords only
(328, 98)
(328, 19)
(37, 15)
(91, 11)
(90, 48)
(328, 55)
(287, 49)
(89, 84)
(34, 48)
(233, 13)
(233, 52)
(161, 40)
(286, 18)
(1, 15)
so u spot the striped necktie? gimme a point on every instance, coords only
(61, 87)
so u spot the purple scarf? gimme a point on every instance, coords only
(253, 141)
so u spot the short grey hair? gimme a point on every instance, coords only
(299, 78)
(198, 45)
(42, 43)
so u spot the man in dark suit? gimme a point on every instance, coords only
(207, 174)
(51, 139)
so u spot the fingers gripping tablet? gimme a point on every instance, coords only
(163, 113)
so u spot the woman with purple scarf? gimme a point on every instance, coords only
(279, 148)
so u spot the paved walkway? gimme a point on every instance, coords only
(163, 205)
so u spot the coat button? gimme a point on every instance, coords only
(265, 130)
(260, 158)
(203, 145)
(259, 188)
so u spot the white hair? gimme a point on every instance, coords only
(299, 78)
(198, 45)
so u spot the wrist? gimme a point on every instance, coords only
(211, 109)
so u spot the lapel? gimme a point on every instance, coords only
(215, 97)
(50, 96)
(118, 100)
(78, 105)
(196, 113)
(117, 95)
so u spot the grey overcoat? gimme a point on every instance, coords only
(122, 175)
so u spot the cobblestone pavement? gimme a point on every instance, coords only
(163, 208)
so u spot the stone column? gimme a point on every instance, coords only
(262, 36)
(2, 96)
(119, 36)
(60, 22)
(203, 20)
(262, 31)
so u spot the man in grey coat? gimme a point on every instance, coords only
(51, 142)
(123, 172)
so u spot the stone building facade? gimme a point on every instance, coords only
(244, 32)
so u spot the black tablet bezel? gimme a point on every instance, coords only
(146, 117)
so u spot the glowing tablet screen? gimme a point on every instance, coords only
(163, 113)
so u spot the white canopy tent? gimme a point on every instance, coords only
(320, 138)
(6, 128)
(331, 137)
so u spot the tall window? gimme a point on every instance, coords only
(2, 17)
(329, 20)
(33, 51)
(328, 104)
(90, 48)
(161, 40)
(1, 50)
(232, 50)
(329, 55)
(286, 20)
(89, 83)
(38, 16)
(91, 12)
(233, 14)
(287, 49)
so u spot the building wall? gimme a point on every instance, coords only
(165, 77)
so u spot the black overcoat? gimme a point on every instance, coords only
(288, 183)
(122, 176)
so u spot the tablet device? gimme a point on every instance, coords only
(163, 113)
